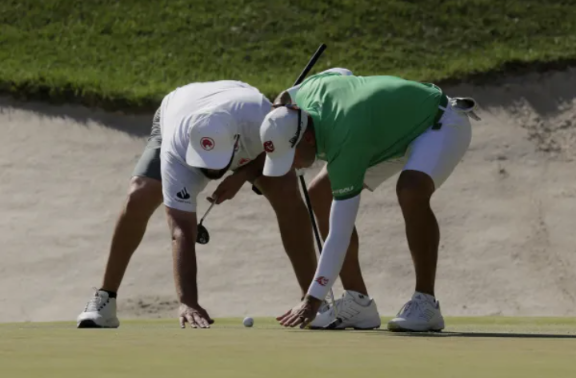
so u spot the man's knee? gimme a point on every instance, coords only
(414, 189)
(144, 195)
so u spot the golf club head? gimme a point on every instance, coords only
(202, 236)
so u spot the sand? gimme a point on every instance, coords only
(507, 218)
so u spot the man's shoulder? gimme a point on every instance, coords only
(216, 90)
(331, 74)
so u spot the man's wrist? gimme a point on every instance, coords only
(312, 299)
(243, 173)
(254, 169)
(317, 291)
(252, 175)
(187, 301)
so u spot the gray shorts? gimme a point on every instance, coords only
(149, 163)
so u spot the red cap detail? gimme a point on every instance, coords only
(269, 146)
(207, 143)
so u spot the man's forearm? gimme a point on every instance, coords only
(342, 218)
(253, 170)
(185, 269)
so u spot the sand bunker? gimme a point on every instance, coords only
(507, 218)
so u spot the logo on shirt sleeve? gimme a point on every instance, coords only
(343, 191)
(322, 280)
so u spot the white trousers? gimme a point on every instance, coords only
(435, 152)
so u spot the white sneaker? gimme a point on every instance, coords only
(100, 312)
(419, 314)
(351, 313)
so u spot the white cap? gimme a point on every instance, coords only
(212, 139)
(280, 134)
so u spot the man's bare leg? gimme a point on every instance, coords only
(414, 190)
(294, 222)
(422, 311)
(321, 197)
(144, 197)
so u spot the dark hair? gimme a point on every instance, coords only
(283, 98)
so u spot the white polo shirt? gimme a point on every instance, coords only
(181, 183)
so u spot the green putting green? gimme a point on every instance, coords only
(469, 347)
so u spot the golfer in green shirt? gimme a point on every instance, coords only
(367, 129)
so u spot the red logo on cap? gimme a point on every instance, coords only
(243, 161)
(207, 143)
(269, 146)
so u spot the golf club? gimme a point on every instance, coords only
(303, 74)
(202, 236)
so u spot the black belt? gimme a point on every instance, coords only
(443, 104)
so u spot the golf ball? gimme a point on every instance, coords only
(248, 322)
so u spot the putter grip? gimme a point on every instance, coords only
(310, 64)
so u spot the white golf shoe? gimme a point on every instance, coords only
(419, 314)
(353, 310)
(100, 312)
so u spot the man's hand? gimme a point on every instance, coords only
(303, 314)
(228, 188)
(195, 315)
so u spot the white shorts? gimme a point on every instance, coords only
(435, 152)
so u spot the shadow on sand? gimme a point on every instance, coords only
(545, 92)
(136, 125)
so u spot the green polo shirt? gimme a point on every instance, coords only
(362, 121)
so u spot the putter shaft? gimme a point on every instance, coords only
(207, 211)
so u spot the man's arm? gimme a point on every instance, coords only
(230, 186)
(251, 171)
(180, 188)
(342, 219)
(183, 229)
(182, 226)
